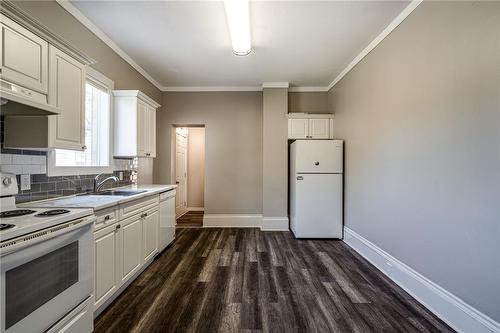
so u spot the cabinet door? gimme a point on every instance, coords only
(67, 92)
(151, 132)
(131, 247)
(142, 129)
(150, 234)
(23, 56)
(105, 263)
(298, 128)
(319, 128)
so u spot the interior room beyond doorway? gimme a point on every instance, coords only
(190, 175)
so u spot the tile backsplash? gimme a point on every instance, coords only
(34, 163)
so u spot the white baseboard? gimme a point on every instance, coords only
(274, 224)
(455, 312)
(195, 209)
(232, 221)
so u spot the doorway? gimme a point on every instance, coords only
(190, 175)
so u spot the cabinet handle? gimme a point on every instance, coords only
(144, 215)
(316, 163)
(84, 147)
(117, 227)
(107, 217)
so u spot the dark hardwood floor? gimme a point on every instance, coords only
(190, 219)
(245, 280)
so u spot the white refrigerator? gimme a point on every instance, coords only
(316, 192)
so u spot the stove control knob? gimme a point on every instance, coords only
(7, 181)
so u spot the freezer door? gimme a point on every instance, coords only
(318, 156)
(317, 206)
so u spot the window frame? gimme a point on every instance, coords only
(52, 170)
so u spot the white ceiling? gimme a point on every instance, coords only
(187, 43)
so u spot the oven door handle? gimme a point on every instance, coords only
(13, 245)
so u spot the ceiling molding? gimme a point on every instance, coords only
(275, 85)
(393, 25)
(108, 41)
(308, 89)
(211, 88)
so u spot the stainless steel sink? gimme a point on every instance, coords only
(122, 193)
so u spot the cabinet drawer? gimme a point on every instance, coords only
(136, 206)
(106, 217)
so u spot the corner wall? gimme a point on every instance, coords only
(420, 116)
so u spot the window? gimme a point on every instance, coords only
(97, 157)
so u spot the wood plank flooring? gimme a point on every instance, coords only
(245, 280)
(190, 219)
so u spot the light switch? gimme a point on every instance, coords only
(25, 182)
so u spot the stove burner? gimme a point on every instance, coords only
(4, 226)
(16, 212)
(53, 212)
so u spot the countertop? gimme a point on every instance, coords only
(98, 202)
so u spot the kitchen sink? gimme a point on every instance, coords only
(122, 193)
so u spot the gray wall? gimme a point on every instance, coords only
(421, 119)
(275, 153)
(311, 102)
(233, 146)
(196, 167)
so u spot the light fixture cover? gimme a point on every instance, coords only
(238, 20)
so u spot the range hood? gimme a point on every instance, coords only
(19, 101)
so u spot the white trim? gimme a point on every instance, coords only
(461, 316)
(275, 85)
(308, 89)
(108, 41)
(136, 93)
(274, 224)
(302, 115)
(232, 221)
(195, 209)
(211, 88)
(393, 25)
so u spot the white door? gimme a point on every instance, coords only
(150, 234)
(151, 132)
(131, 254)
(298, 128)
(181, 171)
(67, 92)
(319, 128)
(318, 206)
(23, 56)
(105, 263)
(318, 156)
(142, 128)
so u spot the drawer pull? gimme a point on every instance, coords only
(117, 227)
(107, 217)
(144, 215)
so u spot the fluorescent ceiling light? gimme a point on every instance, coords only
(238, 20)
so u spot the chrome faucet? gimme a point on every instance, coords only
(98, 185)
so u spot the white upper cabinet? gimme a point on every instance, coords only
(67, 93)
(310, 126)
(319, 128)
(24, 57)
(135, 124)
(298, 128)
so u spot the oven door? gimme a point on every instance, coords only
(44, 276)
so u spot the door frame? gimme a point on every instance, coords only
(173, 158)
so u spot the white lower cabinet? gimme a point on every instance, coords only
(131, 247)
(150, 232)
(123, 246)
(106, 263)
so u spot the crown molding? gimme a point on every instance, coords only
(275, 85)
(308, 89)
(393, 25)
(108, 41)
(210, 88)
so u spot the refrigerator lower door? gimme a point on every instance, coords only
(318, 206)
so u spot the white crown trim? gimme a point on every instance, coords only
(393, 25)
(211, 88)
(275, 85)
(108, 41)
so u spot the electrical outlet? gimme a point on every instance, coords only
(25, 182)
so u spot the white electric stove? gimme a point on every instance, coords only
(50, 251)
